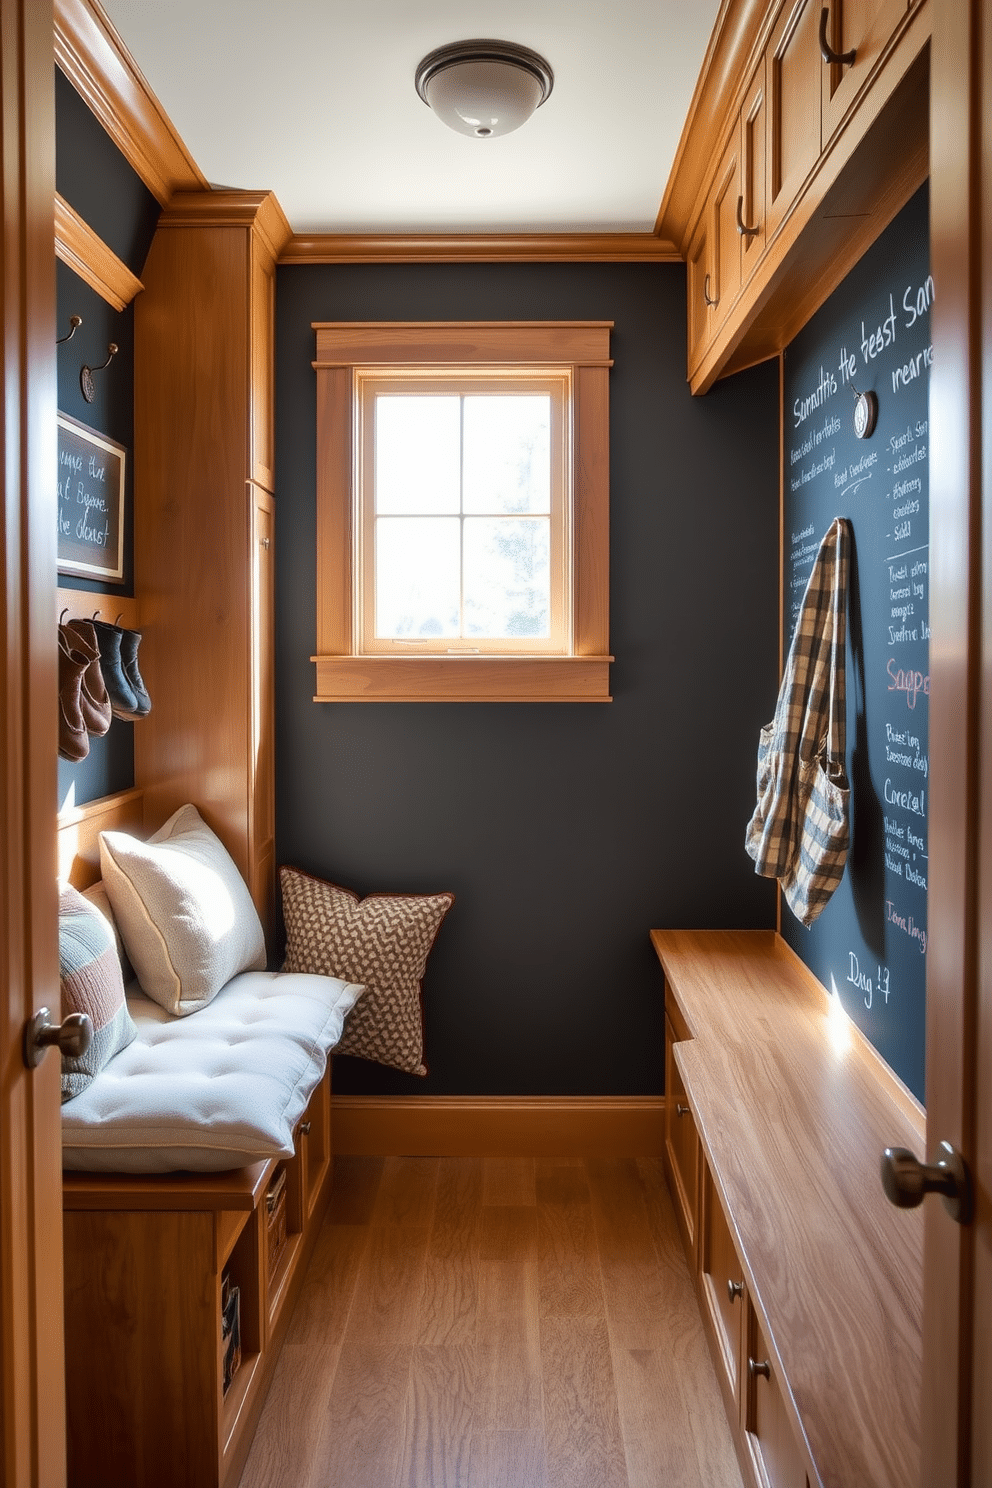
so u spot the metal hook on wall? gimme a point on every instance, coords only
(86, 382)
(75, 321)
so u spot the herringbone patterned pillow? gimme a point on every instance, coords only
(382, 941)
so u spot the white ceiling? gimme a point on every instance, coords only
(315, 100)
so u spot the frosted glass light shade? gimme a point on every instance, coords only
(484, 88)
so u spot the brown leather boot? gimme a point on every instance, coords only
(94, 703)
(74, 743)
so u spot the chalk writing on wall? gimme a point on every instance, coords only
(873, 334)
(91, 502)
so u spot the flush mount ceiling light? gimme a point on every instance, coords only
(484, 88)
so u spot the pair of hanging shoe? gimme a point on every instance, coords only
(119, 665)
(98, 679)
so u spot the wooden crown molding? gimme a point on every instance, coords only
(365, 248)
(258, 210)
(733, 48)
(77, 245)
(96, 61)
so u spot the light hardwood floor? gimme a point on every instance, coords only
(495, 1323)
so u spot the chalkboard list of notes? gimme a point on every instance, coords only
(873, 334)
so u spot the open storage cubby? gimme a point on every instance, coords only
(145, 1262)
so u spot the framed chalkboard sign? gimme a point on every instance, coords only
(91, 502)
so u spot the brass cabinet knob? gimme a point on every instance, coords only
(759, 1367)
(680, 1109)
(735, 1289)
(304, 1128)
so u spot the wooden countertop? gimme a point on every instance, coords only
(793, 1110)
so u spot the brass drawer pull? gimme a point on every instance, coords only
(681, 1110)
(843, 59)
(756, 1367)
(735, 1289)
(706, 294)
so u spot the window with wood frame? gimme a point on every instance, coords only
(463, 511)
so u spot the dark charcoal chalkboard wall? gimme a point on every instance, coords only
(96, 180)
(869, 945)
(566, 831)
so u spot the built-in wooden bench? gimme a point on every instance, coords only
(145, 1262)
(810, 1283)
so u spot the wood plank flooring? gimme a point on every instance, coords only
(495, 1323)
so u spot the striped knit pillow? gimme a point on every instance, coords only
(91, 983)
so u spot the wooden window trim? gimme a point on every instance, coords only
(345, 676)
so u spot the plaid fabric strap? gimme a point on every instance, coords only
(799, 828)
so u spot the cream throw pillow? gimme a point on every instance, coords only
(183, 910)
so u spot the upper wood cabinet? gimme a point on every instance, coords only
(861, 30)
(793, 64)
(204, 473)
(752, 207)
(726, 238)
(699, 299)
(731, 231)
(789, 156)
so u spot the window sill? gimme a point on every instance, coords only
(463, 679)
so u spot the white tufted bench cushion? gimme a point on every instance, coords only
(218, 1089)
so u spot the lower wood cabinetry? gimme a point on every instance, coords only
(151, 1266)
(810, 1285)
(748, 1374)
(722, 1295)
(776, 1455)
(681, 1145)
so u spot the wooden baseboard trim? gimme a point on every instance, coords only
(499, 1126)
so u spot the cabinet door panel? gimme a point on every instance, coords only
(726, 238)
(754, 125)
(261, 763)
(262, 317)
(681, 1145)
(771, 1439)
(720, 1270)
(794, 65)
(863, 27)
(700, 316)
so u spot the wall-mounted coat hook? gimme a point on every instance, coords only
(86, 375)
(75, 321)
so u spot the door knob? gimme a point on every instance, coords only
(907, 1181)
(71, 1037)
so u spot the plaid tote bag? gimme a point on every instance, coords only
(800, 832)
